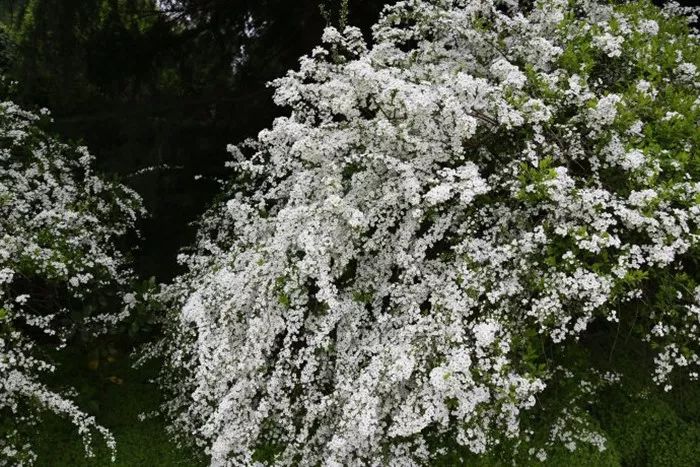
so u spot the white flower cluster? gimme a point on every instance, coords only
(59, 227)
(484, 180)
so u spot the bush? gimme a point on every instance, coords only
(416, 256)
(62, 271)
(647, 431)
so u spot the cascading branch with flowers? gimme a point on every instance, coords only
(415, 257)
(61, 269)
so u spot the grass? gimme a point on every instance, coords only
(116, 394)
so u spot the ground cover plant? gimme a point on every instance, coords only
(418, 260)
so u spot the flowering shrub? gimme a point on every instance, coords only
(411, 259)
(59, 229)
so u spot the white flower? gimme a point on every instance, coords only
(633, 160)
(687, 71)
(508, 73)
(648, 26)
(438, 194)
(485, 333)
(605, 112)
(610, 44)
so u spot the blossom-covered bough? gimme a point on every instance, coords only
(62, 271)
(416, 256)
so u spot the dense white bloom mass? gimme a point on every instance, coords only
(59, 228)
(405, 261)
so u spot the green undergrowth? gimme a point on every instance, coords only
(641, 432)
(644, 425)
(116, 394)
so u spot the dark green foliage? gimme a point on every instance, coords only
(647, 431)
(587, 456)
(7, 51)
(116, 394)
